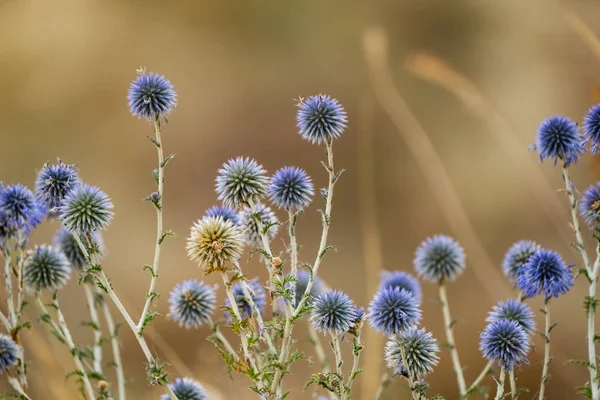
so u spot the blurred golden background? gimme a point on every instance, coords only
(443, 99)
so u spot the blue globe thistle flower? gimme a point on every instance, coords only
(186, 389)
(53, 183)
(505, 342)
(86, 209)
(514, 310)
(401, 280)
(439, 258)
(557, 137)
(151, 96)
(589, 205)
(66, 243)
(46, 268)
(321, 119)
(241, 181)
(333, 313)
(421, 351)
(20, 209)
(214, 242)
(591, 128)
(318, 287)
(191, 303)
(546, 273)
(518, 254)
(393, 310)
(9, 352)
(258, 295)
(250, 224)
(291, 189)
(227, 213)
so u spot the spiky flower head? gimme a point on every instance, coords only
(393, 310)
(558, 138)
(151, 96)
(227, 213)
(591, 128)
(421, 351)
(66, 243)
(241, 181)
(518, 254)
(191, 303)
(9, 352)
(589, 205)
(19, 208)
(257, 292)
(321, 119)
(186, 389)
(401, 280)
(53, 183)
(46, 268)
(302, 278)
(546, 273)
(333, 313)
(439, 258)
(214, 242)
(250, 219)
(291, 189)
(86, 209)
(513, 310)
(505, 342)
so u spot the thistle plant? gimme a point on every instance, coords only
(263, 316)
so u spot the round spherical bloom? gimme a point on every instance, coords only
(591, 128)
(291, 189)
(227, 213)
(439, 258)
(186, 389)
(589, 205)
(505, 342)
(421, 351)
(518, 254)
(241, 181)
(514, 310)
(53, 183)
(258, 296)
(546, 273)
(250, 230)
(86, 209)
(214, 242)
(151, 96)
(9, 352)
(401, 280)
(557, 137)
(393, 310)
(46, 268)
(66, 243)
(191, 303)
(20, 209)
(333, 312)
(321, 119)
(318, 287)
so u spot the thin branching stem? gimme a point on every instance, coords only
(91, 300)
(479, 378)
(548, 327)
(292, 217)
(315, 340)
(513, 384)
(357, 349)
(409, 378)
(337, 351)
(10, 300)
(448, 326)
(223, 340)
(383, 384)
(500, 385)
(116, 349)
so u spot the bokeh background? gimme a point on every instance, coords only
(443, 99)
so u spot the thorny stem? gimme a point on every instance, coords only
(357, 348)
(383, 384)
(105, 282)
(62, 329)
(223, 339)
(592, 274)
(9, 290)
(479, 378)
(159, 223)
(409, 378)
(294, 249)
(116, 350)
(450, 339)
(500, 386)
(337, 351)
(513, 385)
(547, 358)
(96, 326)
(319, 351)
